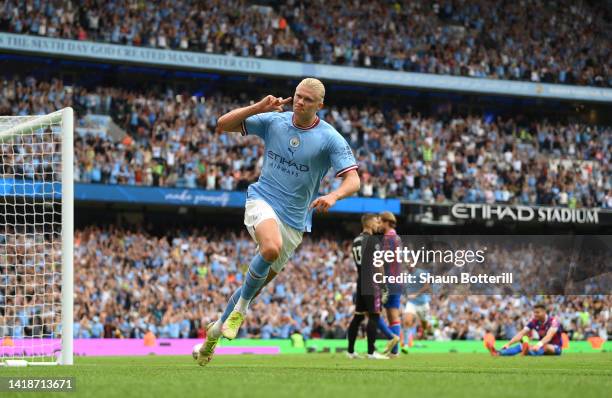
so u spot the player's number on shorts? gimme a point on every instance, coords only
(357, 254)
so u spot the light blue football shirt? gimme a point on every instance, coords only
(295, 161)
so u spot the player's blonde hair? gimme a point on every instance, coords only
(316, 85)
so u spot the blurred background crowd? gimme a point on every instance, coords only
(130, 282)
(170, 141)
(533, 40)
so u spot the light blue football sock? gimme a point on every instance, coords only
(231, 304)
(255, 277)
(406, 336)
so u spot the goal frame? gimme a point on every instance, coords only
(66, 117)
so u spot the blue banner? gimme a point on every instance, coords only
(154, 195)
(201, 197)
(367, 205)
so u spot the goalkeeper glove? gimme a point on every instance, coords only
(384, 294)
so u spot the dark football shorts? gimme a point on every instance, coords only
(367, 303)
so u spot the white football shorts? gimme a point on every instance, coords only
(421, 310)
(256, 211)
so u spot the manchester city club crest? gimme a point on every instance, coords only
(294, 142)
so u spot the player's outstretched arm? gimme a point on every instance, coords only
(350, 185)
(546, 339)
(517, 337)
(232, 120)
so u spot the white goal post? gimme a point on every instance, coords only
(36, 239)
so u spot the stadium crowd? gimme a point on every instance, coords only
(171, 142)
(130, 282)
(565, 42)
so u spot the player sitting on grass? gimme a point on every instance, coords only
(299, 150)
(368, 296)
(549, 333)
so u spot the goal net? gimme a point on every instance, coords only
(36, 238)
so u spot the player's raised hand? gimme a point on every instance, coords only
(323, 203)
(271, 103)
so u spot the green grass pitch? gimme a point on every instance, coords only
(333, 375)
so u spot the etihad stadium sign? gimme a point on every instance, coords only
(482, 211)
